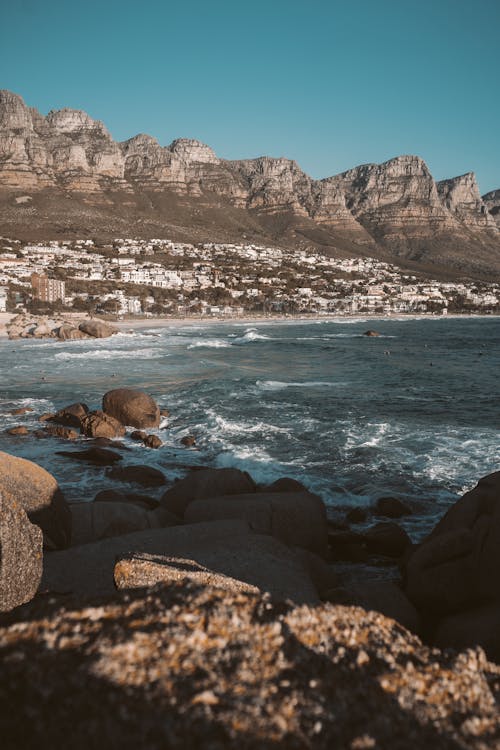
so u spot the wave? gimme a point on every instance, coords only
(111, 354)
(210, 344)
(278, 385)
(250, 335)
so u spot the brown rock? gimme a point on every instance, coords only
(114, 496)
(38, 493)
(387, 539)
(144, 475)
(189, 441)
(132, 407)
(164, 413)
(71, 415)
(98, 424)
(381, 596)
(356, 515)
(138, 435)
(371, 333)
(46, 417)
(391, 507)
(21, 410)
(94, 521)
(20, 430)
(68, 332)
(21, 555)
(152, 441)
(98, 456)
(97, 328)
(296, 518)
(285, 484)
(471, 628)
(58, 430)
(204, 484)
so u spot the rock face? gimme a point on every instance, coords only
(37, 492)
(21, 555)
(132, 407)
(97, 328)
(200, 485)
(167, 668)
(395, 208)
(492, 202)
(97, 424)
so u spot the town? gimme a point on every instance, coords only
(158, 277)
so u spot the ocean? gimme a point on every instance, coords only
(413, 413)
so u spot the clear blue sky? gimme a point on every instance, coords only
(331, 84)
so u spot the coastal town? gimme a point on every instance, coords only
(159, 277)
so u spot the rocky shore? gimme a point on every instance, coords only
(221, 612)
(63, 328)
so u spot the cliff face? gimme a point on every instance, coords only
(492, 203)
(395, 208)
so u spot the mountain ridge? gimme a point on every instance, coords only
(77, 174)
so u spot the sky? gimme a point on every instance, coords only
(330, 84)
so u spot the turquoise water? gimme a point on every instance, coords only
(413, 413)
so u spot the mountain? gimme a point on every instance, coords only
(63, 176)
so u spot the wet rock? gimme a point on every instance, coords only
(113, 496)
(46, 417)
(98, 424)
(58, 430)
(132, 407)
(67, 332)
(356, 515)
(20, 411)
(387, 538)
(37, 492)
(98, 456)
(371, 333)
(164, 413)
(71, 415)
(189, 441)
(21, 555)
(391, 507)
(348, 546)
(138, 435)
(152, 441)
(97, 329)
(295, 518)
(285, 484)
(146, 476)
(206, 483)
(19, 430)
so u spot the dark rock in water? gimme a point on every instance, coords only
(295, 518)
(21, 555)
(189, 441)
(144, 475)
(110, 496)
(152, 441)
(58, 430)
(71, 415)
(458, 566)
(138, 435)
(37, 492)
(203, 484)
(97, 328)
(473, 627)
(391, 507)
(40, 434)
(162, 668)
(103, 442)
(371, 333)
(387, 538)
(132, 407)
(20, 411)
(356, 515)
(285, 484)
(46, 417)
(98, 424)
(164, 413)
(99, 456)
(20, 430)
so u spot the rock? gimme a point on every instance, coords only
(356, 515)
(98, 424)
(245, 562)
(295, 518)
(471, 628)
(20, 430)
(58, 430)
(21, 410)
(138, 435)
(68, 332)
(164, 413)
(285, 484)
(21, 555)
(38, 493)
(381, 596)
(46, 417)
(71, 415)
(189, 441)
(102, 442)
(347, 545)
(457, 566)
(321, 573)
(94, 521)
(387, 539)
(132, 407)
(391, 507)
(371, 333)
(114, 496)
(97, 328)
(206, 483)
(144, 475)
(40, 434)
(152, 441)
(98, 456)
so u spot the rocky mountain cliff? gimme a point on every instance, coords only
(63, 174)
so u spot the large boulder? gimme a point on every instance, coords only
(94, 521)
(199, 485)
(38, 493)
(458, 566)
(296, 518)
(98, 424)
(21, 555)
(146, 476)
(89, 568)
(97, 328)
(132, 407)
(96, 456)
(474, 627)
(67, 332)
(71, 415)
(381, 596)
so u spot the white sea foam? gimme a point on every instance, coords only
(210, 344)
(250, 335)
(111, 354)
(278, 385)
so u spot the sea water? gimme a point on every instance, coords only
(413, 413)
